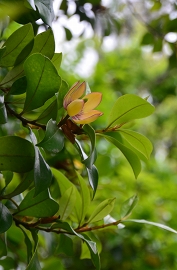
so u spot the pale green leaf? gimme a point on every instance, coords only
(67, 203)
(85, 196)
(127, 108)
(102, 210)
(138, 141)
(128, 206)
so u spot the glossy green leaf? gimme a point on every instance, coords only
(12, 154)
(159, 225)
(15, 45)
(42, 172)
(12, 76)
(5, 218)
(19, 86)
(138, 141)
(45, 9)
(92, 157)
(65, 245)
(56, 60)
(131, 157)
(49, 113)
(43, 81)
(39, 206)
(67, 203)
(54, 139)
(92, 172)
(85, 196)
(128, 206)
(3, 112)
(93, 178)
(102, 210)
(44, 43)
(94, 256)
(129, 107)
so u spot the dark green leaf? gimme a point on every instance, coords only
(19, 86)
(49, 113)
(93, 178)
(3, 245)
(131, 157)
(12, 154)
(34, 262)
(102, 210)
(5, 218)
(8, 263)
(2, 50)
(39, 206)
(66, 227)
(28, 246)
(44, 43)
(12, 76)
(65, 245)
(45, 9)
(92, 172)
(128, 206)
(94, 256)
(127, 108)
(43, 81)
(42, 172)
(54, 139)
(15, 45)
(68, 33)
(92, 157)
(24, 53)
(148, 39)
(3, 112)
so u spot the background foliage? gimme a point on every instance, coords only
(142, 61)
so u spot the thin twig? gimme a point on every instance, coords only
(24, 121)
